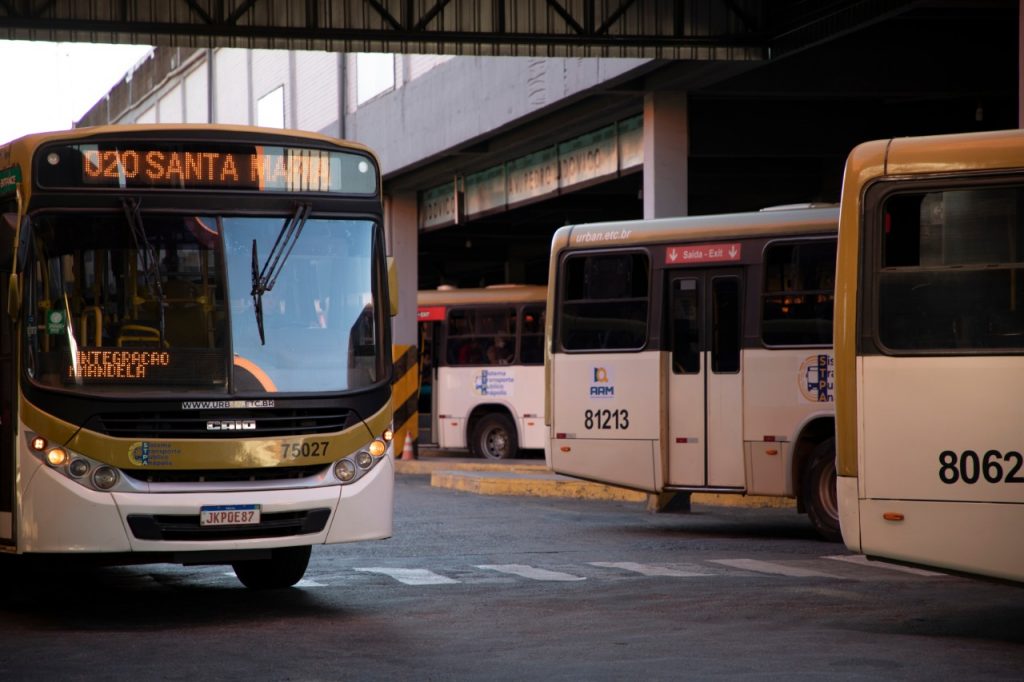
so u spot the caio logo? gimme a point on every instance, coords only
(601, 384)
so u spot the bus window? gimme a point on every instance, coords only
(796, 307)
(951, 275)
(531, 343)
(725, 324)
(481, 336)
(605, 302)
(685, 327)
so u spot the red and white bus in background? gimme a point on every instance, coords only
(481, 365)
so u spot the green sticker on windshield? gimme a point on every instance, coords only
(55, 322)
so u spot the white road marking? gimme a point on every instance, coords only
(309, 583)
(531, 572)
(411, 576)
(772, 568)
(862, 560)
(646, 569)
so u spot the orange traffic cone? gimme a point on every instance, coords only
(407, 452)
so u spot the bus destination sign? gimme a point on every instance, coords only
(193, 166)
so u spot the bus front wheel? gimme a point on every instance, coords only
(284, 568)
(494, 437)
(818, 491)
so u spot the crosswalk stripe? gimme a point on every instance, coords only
(772, 568)
(411, 576)
(531, 572)
(645, 569)
(862, 560)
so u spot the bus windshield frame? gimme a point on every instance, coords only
(173, 309)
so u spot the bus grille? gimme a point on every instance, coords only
(173, 527)
(221, 475)
(180, 424)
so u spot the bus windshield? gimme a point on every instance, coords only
(129, 301)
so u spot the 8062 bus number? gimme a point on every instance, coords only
(970, 467)
(606, 419)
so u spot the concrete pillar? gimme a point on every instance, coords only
(666, 154)
(402, 234)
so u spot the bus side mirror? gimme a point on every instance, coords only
(392, 286)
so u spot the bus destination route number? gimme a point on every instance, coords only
(970, 467)
(606, 419)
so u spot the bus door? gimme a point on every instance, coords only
(430, 318)
(705, 384)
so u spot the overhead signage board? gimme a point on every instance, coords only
(696, 254)
(485, 191)
(439, 207)
(631, 143)
(533, 176)
(588, 157)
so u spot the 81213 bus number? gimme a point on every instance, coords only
(606, 419)
(969, 467)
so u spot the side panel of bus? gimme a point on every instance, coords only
(606, 421)
(943, 430)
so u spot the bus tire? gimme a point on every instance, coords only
(284, 568)
(818, 491)
(494, 437)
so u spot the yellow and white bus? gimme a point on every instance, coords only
(482, 369)
(195, 353)
(694, 355)
(929, 340)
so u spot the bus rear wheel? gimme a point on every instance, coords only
(284, 568)
(818, 491)
(494, 437)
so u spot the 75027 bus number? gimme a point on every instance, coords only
(970, 467)
(606, 419)
(309, 449)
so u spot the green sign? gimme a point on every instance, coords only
(10, 178)
(55, 322)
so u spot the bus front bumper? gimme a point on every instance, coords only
(58, 515)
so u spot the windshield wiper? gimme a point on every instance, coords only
(150, 267)
(263, 279)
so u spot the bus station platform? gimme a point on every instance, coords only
(532, 478)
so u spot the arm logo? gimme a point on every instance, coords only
(601, 385)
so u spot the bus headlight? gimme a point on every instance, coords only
(355, 466)
(57, 457)
(75, 466)
(78, 467)
(105, 477)
(345, 470)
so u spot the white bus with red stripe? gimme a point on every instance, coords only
(482, 369)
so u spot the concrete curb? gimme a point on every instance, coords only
(523, 478)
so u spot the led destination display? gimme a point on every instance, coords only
(251, 168)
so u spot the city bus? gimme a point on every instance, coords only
(195, 350)
(929, 343)
(482, 369)
(694, 354)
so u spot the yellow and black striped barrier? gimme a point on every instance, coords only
(405, 393)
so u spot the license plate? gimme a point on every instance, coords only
(230, 515)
